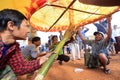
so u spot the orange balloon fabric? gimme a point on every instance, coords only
(44, 13)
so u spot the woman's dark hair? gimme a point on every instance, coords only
(54, 37)
(35, 39)
(10, 15)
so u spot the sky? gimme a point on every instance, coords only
(116, 18)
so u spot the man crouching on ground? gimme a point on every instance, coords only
(99, 46)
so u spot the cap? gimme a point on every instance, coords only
(98, 32)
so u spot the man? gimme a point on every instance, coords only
(15, 26)
(83, 31)
(74, 48)
(99, 46)
(115, 37)
(30, 52)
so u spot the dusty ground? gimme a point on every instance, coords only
(66, 71)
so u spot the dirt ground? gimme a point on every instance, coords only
(67, 71)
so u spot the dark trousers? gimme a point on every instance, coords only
(63, 57)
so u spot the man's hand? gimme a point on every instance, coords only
(45, 57)
(49, 54)
(42, 60)
(41, 54)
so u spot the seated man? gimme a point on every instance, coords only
(30, 52)
(99, 46)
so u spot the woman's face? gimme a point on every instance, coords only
(55, 40)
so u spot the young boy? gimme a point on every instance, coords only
(15, 26)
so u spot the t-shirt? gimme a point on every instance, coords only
(98, 46)
(60, 52)
(30, 51)
(6, 47)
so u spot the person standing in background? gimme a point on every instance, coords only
(83, 31)
(115, 32)
(74, 48)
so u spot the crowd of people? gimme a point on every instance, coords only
(23, 62)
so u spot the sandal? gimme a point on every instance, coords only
(107, 71)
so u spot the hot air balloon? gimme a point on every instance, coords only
(56, 15)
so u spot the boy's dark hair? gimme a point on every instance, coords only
(35, 39)
(10, 15)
